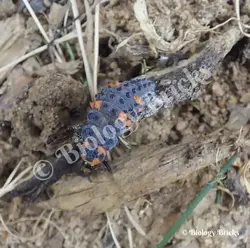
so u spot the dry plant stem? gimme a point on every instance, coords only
(84, 55)
(50, 222)
(185, 74)
(145, 170)
(67, 37)
(237, 10)
(112, 232)
(96, 46)
(134, 222)
(46, 37)
(92, 7)
(24, 238)
(89, 33)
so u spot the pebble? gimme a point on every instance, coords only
(77, 230)
(215, 111)
(181, 125)
(217, 89)
(245, 98)
(113, 65)
(39, 242)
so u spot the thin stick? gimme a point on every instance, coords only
(42, 218)
(93, 6)
(89, 34)
(41, 29)
(112, 232)
(237, 10)
(134, 222)
(12, 182)
(96, 45)
(22, 238)
(84, 56)
(67, 37)
(13, 173)
(130, 237)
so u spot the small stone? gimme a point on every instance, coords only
(207, 98)
(113, 65)
(77, 230)
(56, 241)
(233, 100)
(188, 244)
(181, 125)
(39, 242)
(239, 116)
(215, 111)
(217, 89)
(222, 103)
(245, 98)
(7, 7)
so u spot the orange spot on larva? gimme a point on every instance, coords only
(114, 84)
(138, 99)
(92, 105)
(102, 151)
(96, 161)
(128, 123)
(122, 116)
(83, 157)
(96, 105)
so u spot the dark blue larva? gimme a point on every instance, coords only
(130, 98)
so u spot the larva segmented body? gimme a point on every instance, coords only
(113, 113)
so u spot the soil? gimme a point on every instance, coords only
(39, 107)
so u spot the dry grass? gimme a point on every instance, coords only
(41, 29)
(112, 232)
(11, 182)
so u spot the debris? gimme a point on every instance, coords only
(69, 68)
(7, 8)
(37, 5)
(155, 41)
(239, 116)
(13, 43)
(217, 89)
(56, 15)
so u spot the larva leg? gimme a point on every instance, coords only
(4, 123)
(107, 165)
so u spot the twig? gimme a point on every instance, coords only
(41, 29)
(96, 46)
(81, 43)
(130, 237)
(23, 238)
(134, 222)
(67, 37)
(11, 183)
(42, 218)
(89, 32)
(237, 10)
(112, 232)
